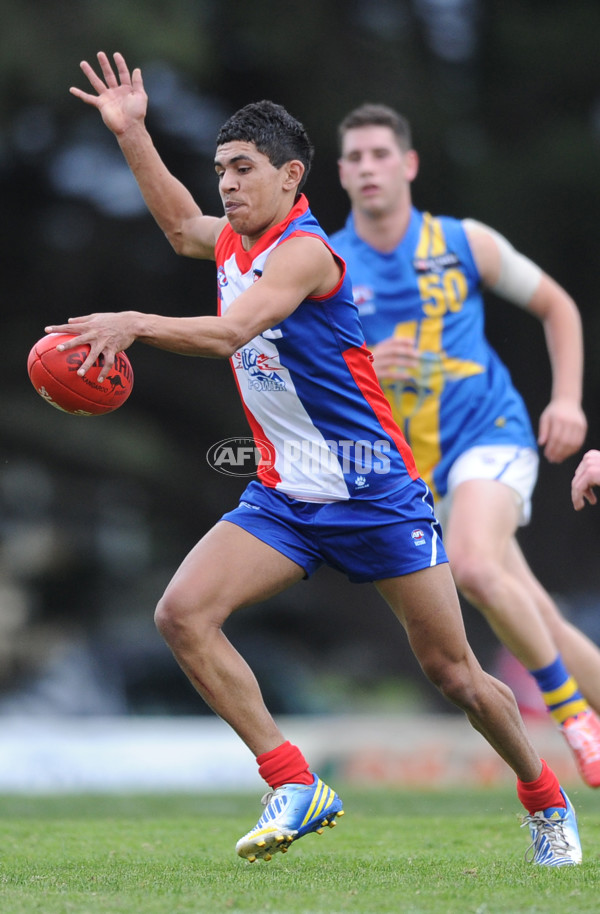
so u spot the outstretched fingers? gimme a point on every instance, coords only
(122, 69)
(84, 96)
(107, 70)
(137, 83)
(110, 78)
(120, 100)
(94, 80)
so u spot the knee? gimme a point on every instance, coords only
(455, 680)
(177, 617)
(476, 577)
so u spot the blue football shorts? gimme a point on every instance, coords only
(366, 539)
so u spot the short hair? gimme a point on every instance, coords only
(273, 131)
(370, 114)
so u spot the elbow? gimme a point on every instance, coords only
(177, 241)
(231, 346)
(229, 343)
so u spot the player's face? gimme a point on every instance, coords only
(254, 193)
(374, 171)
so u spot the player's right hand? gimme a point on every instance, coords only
(562, 429)
(106, 333)
(395, 359)
(121, 98)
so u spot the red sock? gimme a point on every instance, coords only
(284, 765)
(542, 793)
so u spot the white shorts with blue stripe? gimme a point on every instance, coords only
(516, 467)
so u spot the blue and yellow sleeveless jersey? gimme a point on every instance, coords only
(429, 289)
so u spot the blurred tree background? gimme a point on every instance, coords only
(95, 514)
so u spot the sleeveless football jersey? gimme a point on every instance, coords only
(429, 289)
(316, 410)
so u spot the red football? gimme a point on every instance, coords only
(54, 376)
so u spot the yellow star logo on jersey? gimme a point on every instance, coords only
(435, 366)
(453, 369)
(434, 372)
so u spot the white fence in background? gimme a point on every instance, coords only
(193, 754)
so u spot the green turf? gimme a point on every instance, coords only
(408, 852)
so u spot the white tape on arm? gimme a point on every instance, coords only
(519, 276)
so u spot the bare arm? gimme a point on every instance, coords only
(562, 426)
(297, 269)
(122, 102)
(587, 475)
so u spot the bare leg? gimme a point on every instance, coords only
(427, 605)
(479, 539)
(580, 655)
(228, 569)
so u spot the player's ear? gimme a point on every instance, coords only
(411, 164)
(294, 172)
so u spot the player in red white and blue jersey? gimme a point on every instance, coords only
(308, 385)
(342, 488)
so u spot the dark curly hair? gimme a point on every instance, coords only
(273, 131)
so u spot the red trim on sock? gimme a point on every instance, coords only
(284, 765)
(542, 793)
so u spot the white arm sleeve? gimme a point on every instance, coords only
(519, 276)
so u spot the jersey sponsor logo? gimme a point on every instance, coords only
(436, 264)
(261, 370)
(221, 277)
(361, 483)
(418, 537)
(364, 299)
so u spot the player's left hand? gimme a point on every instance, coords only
(562, 430)
(587, 475)
(106, 334)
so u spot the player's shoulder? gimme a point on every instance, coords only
(426, 228)
(476, 227)
(302, 250)
(448, 221)
(459, 230)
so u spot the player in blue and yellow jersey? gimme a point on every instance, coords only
(418, 282)
(340, 488)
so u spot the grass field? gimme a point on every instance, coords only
(412, 852)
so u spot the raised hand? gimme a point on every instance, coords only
(121, 98)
